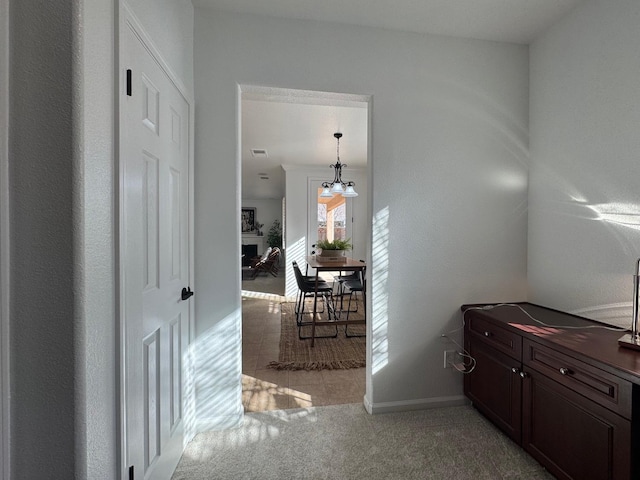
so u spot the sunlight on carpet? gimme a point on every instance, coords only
(259, 395)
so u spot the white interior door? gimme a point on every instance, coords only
(155, 260)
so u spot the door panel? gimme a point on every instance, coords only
(152, 425)
(575, 437)
(155, 163)
(495, 387)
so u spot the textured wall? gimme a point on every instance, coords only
(584, 217)
(170, 24)
(4, 238)
(449, 168)
(98, 363)
(45, 338)
(267, 210)
(63, 238)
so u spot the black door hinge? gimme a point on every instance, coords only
(131, 467)
(129, 82)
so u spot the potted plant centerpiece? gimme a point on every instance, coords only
(332, 250)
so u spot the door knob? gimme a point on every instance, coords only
(186, 293)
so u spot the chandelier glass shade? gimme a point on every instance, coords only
(338, 186)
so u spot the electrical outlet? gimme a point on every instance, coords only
(449, 358)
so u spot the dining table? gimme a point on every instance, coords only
(341, 264)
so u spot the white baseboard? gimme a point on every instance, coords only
(419, 404)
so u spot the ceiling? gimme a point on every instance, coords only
(516, 21)
(296, 128)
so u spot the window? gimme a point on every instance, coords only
(332, 218)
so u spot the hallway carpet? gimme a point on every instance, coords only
(344, 442)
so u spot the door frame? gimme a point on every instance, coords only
(4, 242)
(127, 19)
(312, 204)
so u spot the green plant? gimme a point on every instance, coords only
(274, 236)
(334, 245)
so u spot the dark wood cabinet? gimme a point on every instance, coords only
(568, 396)
(572, 436)
(500, 398)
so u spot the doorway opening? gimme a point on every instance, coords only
(287, 144)
(331, 218)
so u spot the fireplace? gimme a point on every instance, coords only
(249, 251)
(252, 246)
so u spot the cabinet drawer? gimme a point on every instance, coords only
(500, 338)
(599, 386)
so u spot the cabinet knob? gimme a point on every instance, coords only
(487, 334)
(524, 374)
(515, 370)
(564, 371)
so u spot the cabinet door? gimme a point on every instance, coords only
(495, 387)
(573, 437)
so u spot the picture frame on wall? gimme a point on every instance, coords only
(248, 219)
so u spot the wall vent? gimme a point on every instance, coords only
(258, 152)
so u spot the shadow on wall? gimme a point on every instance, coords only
(213, 388)
(296, 252)
(379, 291)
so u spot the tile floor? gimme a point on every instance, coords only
(267, 389)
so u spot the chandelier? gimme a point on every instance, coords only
(338, 186)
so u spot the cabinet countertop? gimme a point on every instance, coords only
(597, 346)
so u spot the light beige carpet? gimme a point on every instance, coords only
(327, 353)
(343, 442)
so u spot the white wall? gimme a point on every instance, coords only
(46, 326)
(170, 24)
(449, 171)
(584, 212)
(4, 240)
(267, 210)
(96, 359)
(63, 241)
